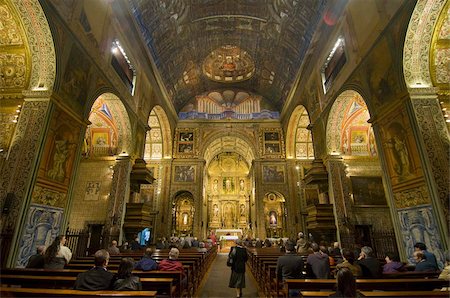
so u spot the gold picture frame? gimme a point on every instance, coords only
(186, 143)
(272, 143)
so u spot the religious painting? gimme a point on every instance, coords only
(185, 140)
(272, 143)
(184, 174)
(228, 184)
(273, 173)
(271, 136)
(59, 155)
(273, 218)
(368, 190)
(400, 150)
(100, 137)
(92, 191)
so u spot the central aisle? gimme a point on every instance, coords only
(216, 281)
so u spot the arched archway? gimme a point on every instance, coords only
(299, 143)
(102, 184)
(348, 132)
(354, 169)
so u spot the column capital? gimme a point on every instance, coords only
(420, 93)
(37, 94)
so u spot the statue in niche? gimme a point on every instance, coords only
(57, 172)
(215, 186)
(216, 211)
(228, 217)
(242, 210)
(228, 185)
(185, 218)
(242, 184)
(401, 155)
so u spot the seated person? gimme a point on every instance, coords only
(37, 261)
(147, 263)
(445, 274)
(171, 264)
(290, 265)
(345, 284)
(113, 249)
(201, 247)
(423, 265)
(97, 278)
(393, 263)
(371, 267)
(318, 263)
(349, 262)
(124, 280)
(431, 258)
(57, 255)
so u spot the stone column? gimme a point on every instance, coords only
(340, 198)
(434, 152)
(120, 191)
(18, 175)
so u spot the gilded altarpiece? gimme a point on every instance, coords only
(412, 200)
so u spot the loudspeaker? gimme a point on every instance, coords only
(8, 202)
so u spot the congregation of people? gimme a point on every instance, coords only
(299, 258)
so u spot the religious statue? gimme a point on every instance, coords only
(242, 210)
(401, 155)
(216, 211)
(273, 218)
(241, 184)
(215, 186)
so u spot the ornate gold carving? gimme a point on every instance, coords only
(9, 29)
(272, 143)
(411, 197)
(45, 196)
(13, 68)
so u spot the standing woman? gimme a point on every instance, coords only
(239, 256)
(57, 255)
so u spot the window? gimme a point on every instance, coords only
(334, 63)
(122, 66)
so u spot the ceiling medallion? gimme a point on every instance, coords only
(229, 64)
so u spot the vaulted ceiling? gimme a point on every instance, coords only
(203, 45)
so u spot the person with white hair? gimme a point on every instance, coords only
(172, 264)
(302, 244)
(371, 267)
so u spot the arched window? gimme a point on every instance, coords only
(303, 138)
(154, 139)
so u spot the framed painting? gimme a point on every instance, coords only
(185, 143)
(368, 191)
(273, 173)
(272, 143)
(184, 174)
(92, 191)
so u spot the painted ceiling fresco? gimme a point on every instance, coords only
(204, 45)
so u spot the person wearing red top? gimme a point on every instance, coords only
(171, 264)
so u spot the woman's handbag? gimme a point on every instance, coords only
(230, 258)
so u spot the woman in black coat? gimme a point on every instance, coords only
(239, 257)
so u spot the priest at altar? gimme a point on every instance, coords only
(227, 238)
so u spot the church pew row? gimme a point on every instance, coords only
(175, 275)
(30, 292)
(382, 294)
(412, 285)
(163, 286)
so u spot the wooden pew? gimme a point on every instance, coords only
(412, 284)
(30, 292)
(409, 294)
(175, 275)
(163, 286)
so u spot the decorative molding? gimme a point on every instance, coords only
(411, 197)
(40, 41)
(416, 57)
